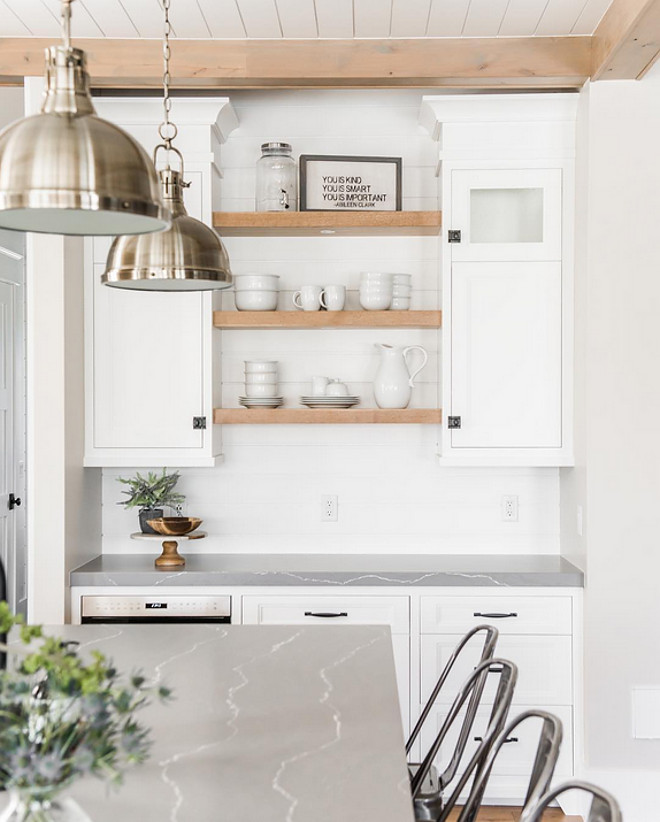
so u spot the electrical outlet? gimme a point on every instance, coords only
(509, 508)
(329, 508)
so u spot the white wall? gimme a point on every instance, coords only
(620, 487)
(392, 494)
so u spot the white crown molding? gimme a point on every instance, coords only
(215, 112)
(492, 108)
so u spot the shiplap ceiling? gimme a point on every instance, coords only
(229, 19)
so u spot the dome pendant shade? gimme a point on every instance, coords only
(189, 256)
(67, 171)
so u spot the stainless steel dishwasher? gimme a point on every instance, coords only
(157, 607)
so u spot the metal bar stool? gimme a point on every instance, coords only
(491, 635)
(426, 787)
(481, 765)
(604, 807)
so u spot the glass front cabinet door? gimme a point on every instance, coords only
(506, 215)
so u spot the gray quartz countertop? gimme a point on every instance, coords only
(397, 570)
(267, 724)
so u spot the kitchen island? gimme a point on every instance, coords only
(271, 723)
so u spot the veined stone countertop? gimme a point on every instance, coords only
(267, 724)
(397, 570)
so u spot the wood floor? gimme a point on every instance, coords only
(506, 814)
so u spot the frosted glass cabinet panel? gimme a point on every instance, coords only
(505, 214)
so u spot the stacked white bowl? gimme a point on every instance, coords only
(375, 290)
(401, 289)
(256, 292)
(261, 378)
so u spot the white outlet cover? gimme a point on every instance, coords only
(646, 713)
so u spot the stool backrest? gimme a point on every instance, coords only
(481, 765)
(490, 637)
(604, 807)
(508, 676)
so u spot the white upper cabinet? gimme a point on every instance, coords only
(506, 182)
(151, 364)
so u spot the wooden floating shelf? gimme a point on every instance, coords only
(327, 319)
(312, 223)
(323, 416)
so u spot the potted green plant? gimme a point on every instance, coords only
(150, 495)
(61, 718)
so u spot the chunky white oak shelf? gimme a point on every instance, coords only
(310, 223)
(327, 319)
(322, 416)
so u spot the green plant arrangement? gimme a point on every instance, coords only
(62, 718)
(152, 491)
(150, 495)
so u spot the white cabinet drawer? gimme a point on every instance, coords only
(510, 614)
(327, 610)
(544, 667)
(515, 758)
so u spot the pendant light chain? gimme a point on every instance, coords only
(167, 129)
(65, 20)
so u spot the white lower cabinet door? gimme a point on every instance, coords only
(511, 614)
(513, 766)
(328, 610)
(544, 667)
(506, 355)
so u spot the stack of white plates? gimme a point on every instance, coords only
(329, 402)
(261, 402)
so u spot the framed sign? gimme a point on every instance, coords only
(336, 183)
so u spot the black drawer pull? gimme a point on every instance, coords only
(494, 616)
(326, 615)
(506, 741)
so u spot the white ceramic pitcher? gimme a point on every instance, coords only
(394, 381)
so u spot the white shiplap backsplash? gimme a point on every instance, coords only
(393, 496)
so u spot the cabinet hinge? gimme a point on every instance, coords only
(199, 423)
(453, 422)
(453, 236)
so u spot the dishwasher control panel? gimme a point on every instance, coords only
(159, 606)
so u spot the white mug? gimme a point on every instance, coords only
(333, 297)
(336, 388)
(309, 296)
(319, 384)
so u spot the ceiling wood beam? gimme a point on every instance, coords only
(524, 62)
(627, 40)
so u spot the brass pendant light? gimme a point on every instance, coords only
(67, 171)
(189, 256)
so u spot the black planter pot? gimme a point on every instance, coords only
(147, 514)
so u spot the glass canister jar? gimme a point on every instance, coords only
(277, 179)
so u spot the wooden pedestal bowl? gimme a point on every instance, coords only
(175, 526)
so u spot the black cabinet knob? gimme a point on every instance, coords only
(14, 502)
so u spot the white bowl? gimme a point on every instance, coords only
(377, 278)
(400, 304)
(260, 366)
(401, 290)
(257, 282)
(256, 300)
(401, 279)
(373, 287)
(263, 390)
(375, 301)
(261, 378)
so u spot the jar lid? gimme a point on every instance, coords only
(276, 148)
